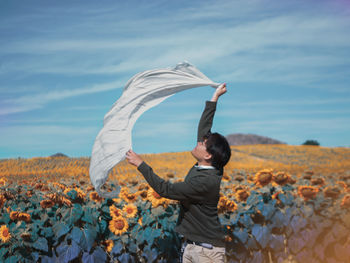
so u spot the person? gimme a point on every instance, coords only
(198, 222)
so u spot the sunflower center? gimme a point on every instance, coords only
(119, 224)
(5, 233)
(129, 210)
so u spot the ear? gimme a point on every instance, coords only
(207, 157)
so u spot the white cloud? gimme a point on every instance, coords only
(39, 100)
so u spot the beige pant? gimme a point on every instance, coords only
(199, 254)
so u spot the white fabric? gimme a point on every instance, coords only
(142, 92)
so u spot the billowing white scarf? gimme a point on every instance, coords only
(142, 92)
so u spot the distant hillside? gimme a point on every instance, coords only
(245, 139)
(58, 155)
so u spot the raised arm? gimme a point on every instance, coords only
(206, 120)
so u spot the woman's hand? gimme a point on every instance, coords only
(133, 158)
(219, 91)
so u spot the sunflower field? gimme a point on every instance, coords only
(278, 203)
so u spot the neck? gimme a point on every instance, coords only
(204, 163)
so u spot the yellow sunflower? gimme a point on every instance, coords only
(90, 188)
(2, 181)
(108, 244)
(118, 225)
(81, 194)
(4, 233)
(280, 178)
(140, 221)
(117, 200)
(2, 200)
(130, 210)
(114, 211)
(143, 194)
(94, 196)
(24, 217)
(263, 177)
(226, 205)
(26, 236)
(346, 202)
(14, 215)
(242, 195)
(332, 192)
(155, 198)
(129, 197)
(47, 203)
(307, 192)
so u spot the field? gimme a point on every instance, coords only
(279, 203)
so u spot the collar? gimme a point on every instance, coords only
(204, 167)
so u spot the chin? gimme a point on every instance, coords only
(194, 155)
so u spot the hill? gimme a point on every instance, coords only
(247, 139)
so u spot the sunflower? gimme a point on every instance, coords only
(108, 244)
(226, 177)
(118, 225)
(4, 233)
(143, 186)
(2, 181)
(26, 236)
(24, 217)
(29, 193)
(63, 187)
(226, 204)
(242, 195)
(155, 198)
(142, 194)
(130, 210)
(90, 188)
(47, 203)
(94, 196)
(332, 192)
(81, 194)
(263, 177)
(291, 180)
(346, 202)
(317, 181)
(67, 190)
(114, 211)
(129, 197)
(280, 178)
(307, 192)
(2, 200)
(117, 200)
(14, 215)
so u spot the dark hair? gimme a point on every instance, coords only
(219, 148)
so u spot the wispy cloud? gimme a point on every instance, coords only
(39, 100)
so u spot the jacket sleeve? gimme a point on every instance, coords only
(190, 189)
(206, 121)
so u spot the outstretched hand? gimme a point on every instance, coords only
(133, 158)
(219, 91)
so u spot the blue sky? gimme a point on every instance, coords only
(64, 63)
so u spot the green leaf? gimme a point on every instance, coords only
(72, 214)
(102, 226)
(5, 218)
(96, 257)
(67, 252)
(41, 244)
(3, 252)
(60, 229)
(89, 215)
(85, 238)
